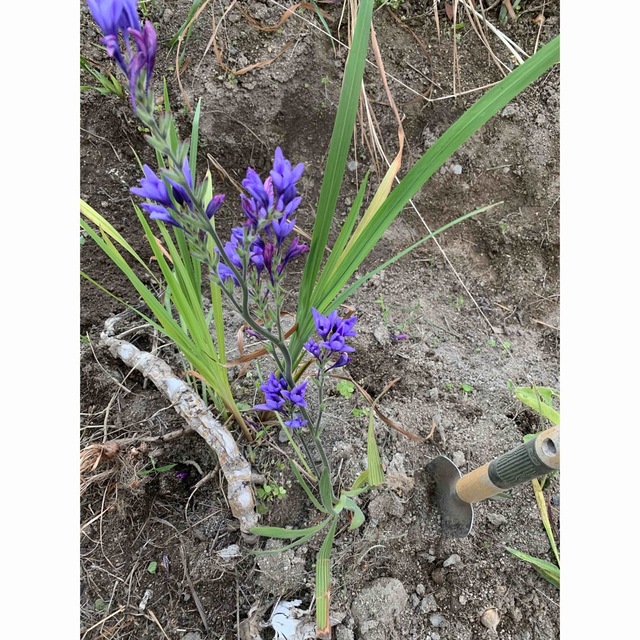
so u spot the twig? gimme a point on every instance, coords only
(192, 409)
(194, 594)
(157, 622)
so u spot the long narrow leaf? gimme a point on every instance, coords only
(468, 124)
(544, 515)
(323, 584)
(306, 488)
(338, 152)
(549, 571)
(374, 464)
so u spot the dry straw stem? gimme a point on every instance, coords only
(192, 409)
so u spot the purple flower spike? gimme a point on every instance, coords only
(158, 212)
(296, 395)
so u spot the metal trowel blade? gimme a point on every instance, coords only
(456, 515)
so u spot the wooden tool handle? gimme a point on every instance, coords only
(532, 459)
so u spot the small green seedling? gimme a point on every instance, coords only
(466, 388)
(109, 84)
(271, 491)
(345, 388)
(457, 302)
(358, 413)
(491, 342)
(154, 469)
(153, 567)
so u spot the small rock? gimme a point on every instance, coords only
(437, 620)
(399, 482)
(428, 604)
(434, 393)
(166, 17)
(386, 504)
(438, 576)
(496, 519)
(415, 600)
(458, 459)
(451, 560)
(516, 614)
(420, 589)
(490, 618)
(456, 169)
(192, 635)
(343, 633)
(379, 603)
(352, 165)
(381, 334)
(462, 599)
(555, 500)
(434, 636)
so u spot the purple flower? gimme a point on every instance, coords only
(313, 348)
(115, 15)
(282, 228)
(296, 422)
(163, 206)
(295, 249)
(258, 191)
(284, 178)
(147, 42)
(214, 205)
(342, 361)
(296, 395)
(336, 343)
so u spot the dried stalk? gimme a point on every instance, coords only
(190, 406)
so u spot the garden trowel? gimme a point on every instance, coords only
(456, 493)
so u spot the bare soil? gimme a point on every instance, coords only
(480, 309)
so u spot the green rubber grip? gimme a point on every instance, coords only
(532, 459)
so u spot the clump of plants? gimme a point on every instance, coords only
(247, 270)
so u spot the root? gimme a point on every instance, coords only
(192, 409)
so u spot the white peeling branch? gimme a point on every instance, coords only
(192, 409)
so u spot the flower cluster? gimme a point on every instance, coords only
(268, 223)
(333, 330)
(120, 18)
(280, 399)
(168, 197)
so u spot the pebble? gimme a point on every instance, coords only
(458, 459)
(490, 618)
(428, 604)
(496, 519)
(451, 560)
(434, 393)
(555, 500)
(420, 589)
(437, 620)
(438, 576)
(456, 169)
(352, 165)
(192, 635)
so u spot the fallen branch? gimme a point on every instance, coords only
(190, 406)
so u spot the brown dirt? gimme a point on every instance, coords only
(493, 280)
